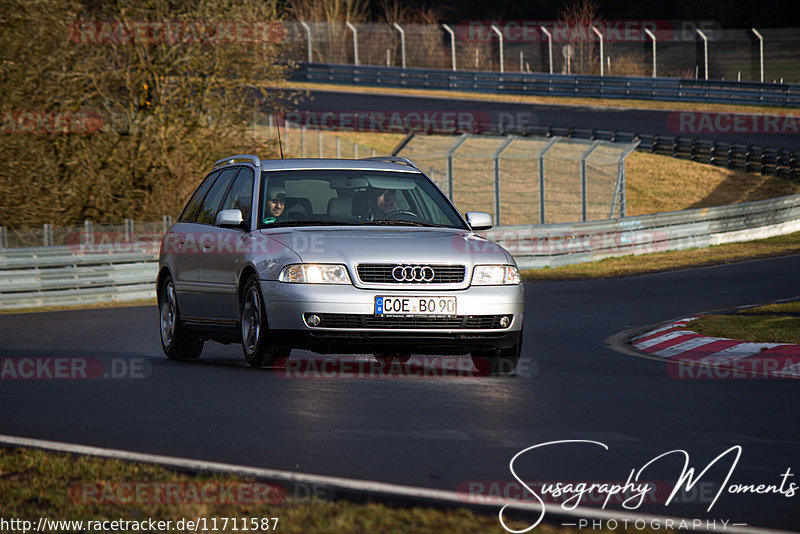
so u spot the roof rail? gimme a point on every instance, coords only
(393, 159)
(238, 158)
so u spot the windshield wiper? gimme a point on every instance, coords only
(285, 224)
(400, 222)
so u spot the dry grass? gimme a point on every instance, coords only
(669, 261)
(765, 324)
(657, 183)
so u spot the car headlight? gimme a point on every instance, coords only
(315, 273)
(495, 275)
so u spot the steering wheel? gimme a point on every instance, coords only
(399, 215)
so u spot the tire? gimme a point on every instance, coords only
(257, 346)
(498, 361)
(177, 341)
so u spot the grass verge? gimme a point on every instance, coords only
(774, 323)
(59, 486)
(784, 245)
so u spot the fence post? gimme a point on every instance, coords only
(500, 37)
(3, 237)
(402, 43)
(584, 156)
(452, 44)
(338, 147)
(303, 140)
(542, 153)
(355, 40)
(88, 232)
(305, 25)
(47, 235)
(450, 152)
(619, 188)
(286, 135)
(496, 164)
(128, 229)
(319, 141)
(166, 221)
(653, 37)
(355, 150)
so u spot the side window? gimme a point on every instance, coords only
(193, 206)
(240, 196)
(208, 211)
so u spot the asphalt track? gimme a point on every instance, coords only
(645, 121)
(442, 432)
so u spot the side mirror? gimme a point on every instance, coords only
(479, 220)
(229, 219)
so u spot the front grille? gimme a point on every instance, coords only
(381, 273)
(466, 322)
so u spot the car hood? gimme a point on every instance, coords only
(349, 245)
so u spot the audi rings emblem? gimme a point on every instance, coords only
(413, 273)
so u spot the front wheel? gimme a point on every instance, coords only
(259, 351)
(177, 341)
(498, 361)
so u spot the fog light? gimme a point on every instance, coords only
(505, 321)
(313, 320)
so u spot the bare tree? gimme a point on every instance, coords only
(169, 100)
(579, 16)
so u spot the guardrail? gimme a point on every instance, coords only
(49, 276)
(566, 85)
(70, 275)
(553, 245)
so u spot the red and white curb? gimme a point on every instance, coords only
(701, 356)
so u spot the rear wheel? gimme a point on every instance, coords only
(257, 345)
(498, 361)
(177, 341)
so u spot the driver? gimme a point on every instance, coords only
(381, 202)
(275, 204)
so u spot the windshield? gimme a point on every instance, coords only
(353, 197)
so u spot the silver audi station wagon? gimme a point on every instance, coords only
(337, 257)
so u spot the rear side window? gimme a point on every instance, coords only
(240, 196)
(208, 211)
(193, 206)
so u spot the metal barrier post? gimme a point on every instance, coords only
(496, 164)
(47, 235)
(450, 152)
(166, 221)
(547, 147)
(3, 237)
(584, 156)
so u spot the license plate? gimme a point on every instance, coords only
(415, 306)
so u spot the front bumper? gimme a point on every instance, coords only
(350, 325)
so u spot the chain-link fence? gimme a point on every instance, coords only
(682, 49)
(526, 180)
